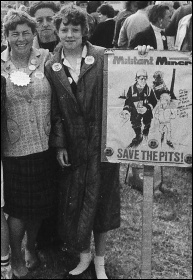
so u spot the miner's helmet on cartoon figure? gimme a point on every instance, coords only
(141, 77)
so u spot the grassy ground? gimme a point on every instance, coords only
(172, 235)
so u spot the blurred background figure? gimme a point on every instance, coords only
(103, 34)
(65, 3)
(46, 38)
(182, 11)
(130, 8)
(170, 4)
(92, 9)
(184, 34)
(93, 6)
(92, 21)
(43, 11)
(134, 24)
(3, 41)
(154, 35)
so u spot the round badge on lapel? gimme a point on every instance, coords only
(32, 67)
(89, 60)
(34, 61)
(56, 67)
(39, 75)
(70, 80)
(163, 37)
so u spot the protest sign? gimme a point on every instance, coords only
(147, 109)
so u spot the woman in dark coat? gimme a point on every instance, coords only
(103, 33)
(89, 199)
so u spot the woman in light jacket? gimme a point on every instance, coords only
(27, 161)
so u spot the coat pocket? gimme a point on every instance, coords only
(14, 132)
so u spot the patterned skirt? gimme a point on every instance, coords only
(29, 186)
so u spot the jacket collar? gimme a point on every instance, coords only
(5, 55)
(33, 60)
(91, 52)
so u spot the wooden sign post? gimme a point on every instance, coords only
(147, 221)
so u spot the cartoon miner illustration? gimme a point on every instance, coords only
(164, 113)
(140, 102)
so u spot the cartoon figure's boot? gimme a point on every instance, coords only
(138, 139)
(146, 130)
(170, 144)
(162, 137)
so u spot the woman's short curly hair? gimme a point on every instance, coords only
(15, 17)
(36, 5)
(74, 15)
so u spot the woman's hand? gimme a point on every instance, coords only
(143, 49)
(62, 157)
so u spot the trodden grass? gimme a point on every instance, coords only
(171, 242)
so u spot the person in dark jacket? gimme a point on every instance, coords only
(104, 32)
(46, 38)
(154, 35)
(130, 8)
(43, 11)
(93, 6)
(92, 19)
(89, 195)
(139, 104)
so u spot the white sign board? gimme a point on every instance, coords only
(147, 115)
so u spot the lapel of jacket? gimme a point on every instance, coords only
(34, 61)
(91, 54)
(61, 75)
(151, 35)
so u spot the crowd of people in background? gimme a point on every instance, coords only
(51, 121)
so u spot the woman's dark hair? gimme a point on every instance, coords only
(72, 15)
(176, 5)
(157, 12)
(142, 4)
(36, 5)
(15, 17)
(128, 5)
(106, 10)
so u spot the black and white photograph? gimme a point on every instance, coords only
(96, 139)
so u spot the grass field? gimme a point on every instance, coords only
(172, 235)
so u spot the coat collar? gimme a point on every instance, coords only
(33, 60)
(91, 52)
